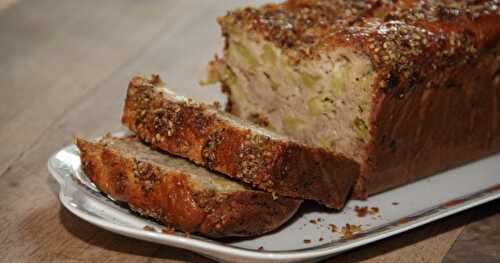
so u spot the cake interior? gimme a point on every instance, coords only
(324, 101)
(200, 178)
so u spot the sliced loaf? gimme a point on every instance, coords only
(235, 147)
(179, 193)
(406, 88)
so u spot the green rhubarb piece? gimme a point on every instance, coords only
(220, 73)
(274, 84)
(319, 105)
(268, 55)
(245, 54)
(226, 75)
(337, 84)
(326, 143)
(361, 127)
(223, 183)
(292, 125)
(309, 80)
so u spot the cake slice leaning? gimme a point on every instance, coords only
(235, 147)
(179, 193)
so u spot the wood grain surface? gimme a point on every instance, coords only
(64, 67)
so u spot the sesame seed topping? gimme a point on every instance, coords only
(404, 38)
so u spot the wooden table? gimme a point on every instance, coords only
(64, 67)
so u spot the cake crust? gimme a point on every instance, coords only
(169, 194)
(435, 98)
(234, 147)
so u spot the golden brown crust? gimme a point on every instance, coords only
(455, 120)
(305, 29)
(206, 137)
(239, 212)
(169, 197)
(436, 95)
(406, 40)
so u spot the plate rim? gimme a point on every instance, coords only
(329, 249)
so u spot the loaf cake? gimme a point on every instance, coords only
(405, 88)
(179, 193)
(235, 147)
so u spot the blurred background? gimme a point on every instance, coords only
(66, 64)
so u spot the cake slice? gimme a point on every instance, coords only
(236, 147)
(179, 193)
(406, 88)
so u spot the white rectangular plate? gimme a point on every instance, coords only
(417, 204)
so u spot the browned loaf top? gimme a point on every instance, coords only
(401, 37)
(235, 147)
(406, 88)
(179, 193)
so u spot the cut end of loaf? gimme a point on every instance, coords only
(324, 102)
(278, 58)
